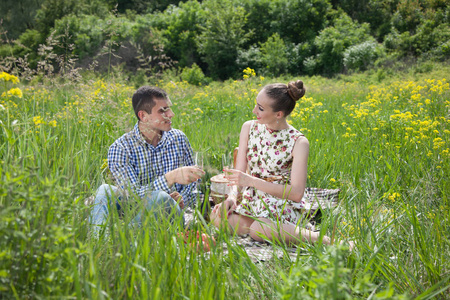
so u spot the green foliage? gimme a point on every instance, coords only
(180, 29)
(194, 75)
(429, 36)
(250, 58)
(297, 54)
(274, 56)
(222, 35)
(332, 42)
(428, 39)
(385, 145)
(378, 13)
(259, 20)
(28, 44)
(53, 10)
(362, 56)
(18, 16)
(299, 21)
(326, 276)
(38, 251)
(408, 16)
(144, 6)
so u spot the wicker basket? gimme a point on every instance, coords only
(219, 188)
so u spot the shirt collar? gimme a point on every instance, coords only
(140, 138)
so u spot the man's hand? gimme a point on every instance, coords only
(178, 199)
(184, 175)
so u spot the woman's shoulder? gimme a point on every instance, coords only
(302, 140)
(247, 126)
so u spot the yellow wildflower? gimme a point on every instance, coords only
(248, 72)
(7, 77)
(38, 121)
(438, 143)
(104, 164)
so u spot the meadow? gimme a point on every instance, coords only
(384, 143)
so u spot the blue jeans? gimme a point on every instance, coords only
(110, 196)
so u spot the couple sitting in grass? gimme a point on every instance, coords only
(154, 162)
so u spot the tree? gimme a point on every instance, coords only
(18, 16)
(274, 56)
(52, 10)
(144, 6)
(222, 36)
(332, 42)
(299, 21)
(180, 26)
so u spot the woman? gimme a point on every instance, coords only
(276, 154)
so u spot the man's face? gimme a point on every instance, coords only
(161, 117)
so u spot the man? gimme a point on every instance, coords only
(153, 161)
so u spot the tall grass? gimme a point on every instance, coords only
(385, 145)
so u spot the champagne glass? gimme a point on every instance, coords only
(198, 159)
(227, 162)
(198, 162)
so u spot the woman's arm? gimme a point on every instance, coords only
(241, 158)
(295, 190)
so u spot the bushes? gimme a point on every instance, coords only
(332, 42)
(194, 75)
(224, 37)
(221, 37)
(274, 56)
(361, 56)
(38, 252)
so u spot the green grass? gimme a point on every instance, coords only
(382, 143)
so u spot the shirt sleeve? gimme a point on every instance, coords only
(160, 184)
(187, 191)
(123, 172)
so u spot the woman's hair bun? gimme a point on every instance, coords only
(296, 89)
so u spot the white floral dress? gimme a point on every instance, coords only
(269, 156)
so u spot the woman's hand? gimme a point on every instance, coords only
(239, 178)
(227, 207)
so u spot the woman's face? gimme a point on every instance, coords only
(263, 109)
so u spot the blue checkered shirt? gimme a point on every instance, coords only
(138, 165)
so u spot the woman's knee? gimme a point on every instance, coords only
(215, 219)
(263, 229)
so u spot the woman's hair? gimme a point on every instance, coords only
(285, 96)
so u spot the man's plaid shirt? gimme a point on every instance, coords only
(138, 165)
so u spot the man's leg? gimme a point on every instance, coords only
(102, 201)
(160, 203)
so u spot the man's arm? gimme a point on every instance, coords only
(127, 176)
(186, 191)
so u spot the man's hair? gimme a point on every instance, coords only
(144, 98)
